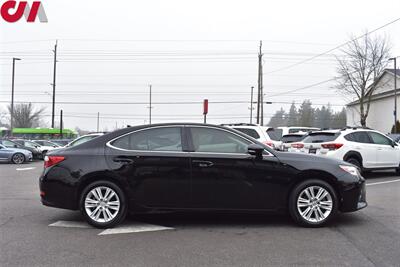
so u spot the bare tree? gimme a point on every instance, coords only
(25, 116)
(364, 59)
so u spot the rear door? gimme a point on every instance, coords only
(387, 155)
(154, 164)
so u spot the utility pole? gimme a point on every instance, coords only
(61, 123)
(54, 86)
(150, 107)
(395, 95)
(12, 97)
(251, 105)
(260, 97)
(98, 121)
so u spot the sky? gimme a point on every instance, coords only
(111, 51)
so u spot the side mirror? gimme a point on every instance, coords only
(255, 150)
(16, 146)
(394, 143)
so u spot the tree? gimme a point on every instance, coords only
(364, 59)
(338, 120)
(323, 117)
(397, 128)
(25, 116)
(279, 119)
(306, 114)
(293, 115)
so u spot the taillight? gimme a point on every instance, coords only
(297, 145)
(52, 160)
(332, 146)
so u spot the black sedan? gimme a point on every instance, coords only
(197, 167)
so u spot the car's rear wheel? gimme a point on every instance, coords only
(103, 204)
(313, 203)
(18, 158)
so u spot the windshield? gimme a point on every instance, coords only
(320, 137)
(275, 134)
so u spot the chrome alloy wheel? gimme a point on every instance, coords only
(102, 204)
(18, 158)
(314, 204)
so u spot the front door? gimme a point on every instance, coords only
(387, 154)
(225, 176)
(153, 162)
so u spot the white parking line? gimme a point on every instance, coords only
(134, 228)
(71, 224)
(25, 169)
(385, 182)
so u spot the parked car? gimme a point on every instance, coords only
(256, 131)
(45, 146)
(37, 154)
(30, 144)
(199, 167)
(15, 155)
(48, 143)
(83, 139)
(288, 139)
(367, 149)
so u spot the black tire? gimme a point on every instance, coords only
(120, 214)
(18, 158)
(299, 189)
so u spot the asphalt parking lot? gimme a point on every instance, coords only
(34, 235)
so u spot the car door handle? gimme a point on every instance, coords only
(203, 163)
(123, 160)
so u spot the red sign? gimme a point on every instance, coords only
(12, 11)
(205, 107)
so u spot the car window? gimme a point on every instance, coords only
(8, 143)
(156, 139)
(275, 134)
(250, 132)
(320, 137)
(218, 141)
(292, 138)
(380, 139)
(31, 144)
(360, 137)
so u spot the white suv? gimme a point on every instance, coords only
(365, 148)
(256, 131)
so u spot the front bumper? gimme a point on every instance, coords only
(354, 198)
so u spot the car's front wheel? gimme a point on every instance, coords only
(313, 203)
(103, 204)
(18, 158)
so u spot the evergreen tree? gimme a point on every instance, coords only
(279, 119)
(306, 114)
(293, 116)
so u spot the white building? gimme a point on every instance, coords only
(381, 113)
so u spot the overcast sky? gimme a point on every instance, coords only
(110, 51)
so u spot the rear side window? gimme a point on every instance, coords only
(157, 139)
(359, 137)
(275, 134)
(292, 138)
(320, 137)
(250, 132)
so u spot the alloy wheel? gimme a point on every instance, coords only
(102, 204)
(18, 158)
(314, 204)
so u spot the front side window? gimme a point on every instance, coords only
(380, 139)
(217, 141)
(155, 139)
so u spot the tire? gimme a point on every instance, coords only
(318, 214)
(104, 208)
(18, 158)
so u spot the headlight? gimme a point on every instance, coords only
(350, 169)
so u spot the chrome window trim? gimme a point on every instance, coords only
(174, 151)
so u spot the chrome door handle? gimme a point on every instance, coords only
(203, 163)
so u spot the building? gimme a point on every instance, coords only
(381, 113)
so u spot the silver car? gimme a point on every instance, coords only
(14, 155)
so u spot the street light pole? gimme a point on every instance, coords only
(395, 94)
(251, 105)
(12, 97)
